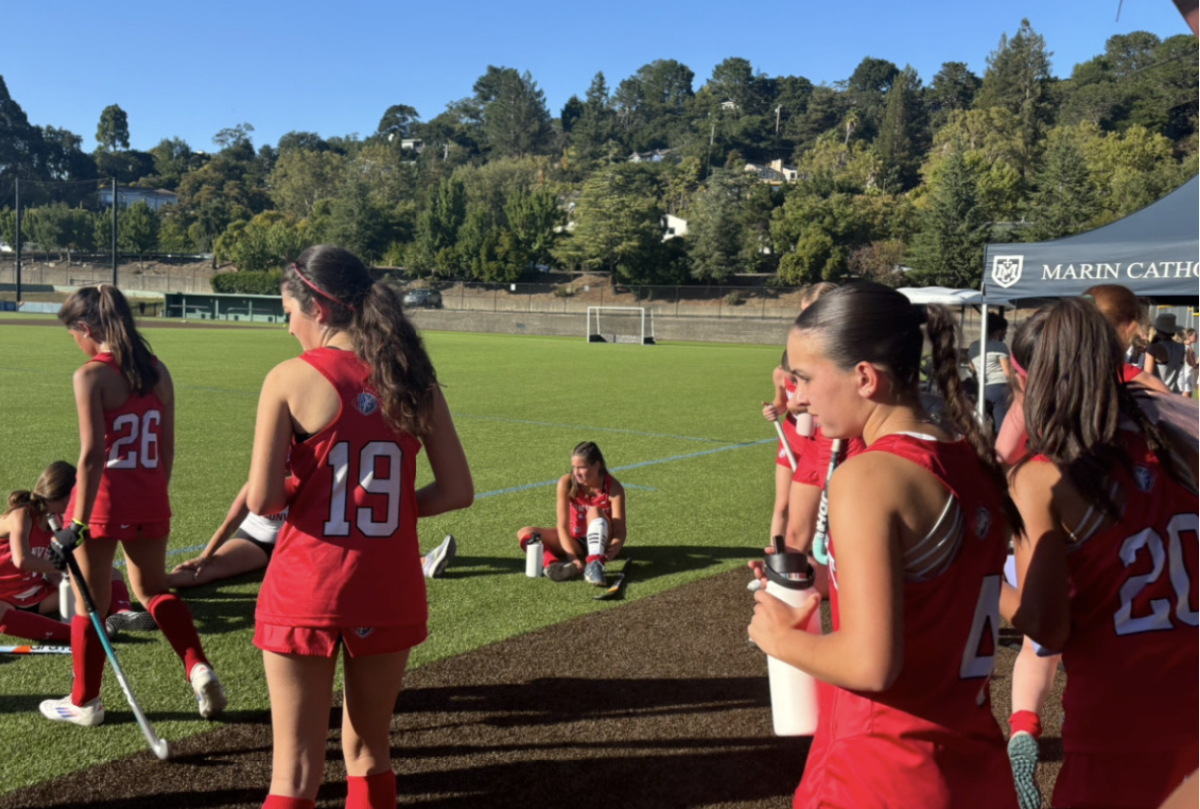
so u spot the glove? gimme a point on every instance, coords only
(65, 542)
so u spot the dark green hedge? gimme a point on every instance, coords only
(248, 283)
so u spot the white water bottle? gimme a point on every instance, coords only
(66, 598)
(804, 424)
(534, 555)
(793, 692)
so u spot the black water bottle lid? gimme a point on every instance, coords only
(789, 570)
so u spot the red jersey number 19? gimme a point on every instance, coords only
(371, 481)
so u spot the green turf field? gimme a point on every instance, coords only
(680, 426)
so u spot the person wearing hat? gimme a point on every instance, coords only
(1164, 356)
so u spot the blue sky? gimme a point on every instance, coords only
(189, 70)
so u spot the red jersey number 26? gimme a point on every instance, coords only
(377, 472)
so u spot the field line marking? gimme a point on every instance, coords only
(591, 429)
(632, 466)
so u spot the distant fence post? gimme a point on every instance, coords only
(462, 298)
(495, 298)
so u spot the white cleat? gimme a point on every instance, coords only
(63, 710)
(208, 690)
(438, 559)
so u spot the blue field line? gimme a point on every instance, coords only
(642, 488)
(583, 428)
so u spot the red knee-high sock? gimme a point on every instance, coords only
(1027, 721)
(32, 626)
(175, 620)
(376, 791)
(120, 598)
(280, 802)
(87, 659)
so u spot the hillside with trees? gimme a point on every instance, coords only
(776, 175)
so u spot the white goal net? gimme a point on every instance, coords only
(620, 324)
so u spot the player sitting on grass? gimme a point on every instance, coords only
(245, 542)
(29, 583)
(591, 521)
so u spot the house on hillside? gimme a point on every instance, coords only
(675, 227)
(775, 172)
(656, 156)
(154, 198)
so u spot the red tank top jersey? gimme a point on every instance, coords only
(133, 485)
(347, 555)
(1131, 656)
(17, 584)
(582, 502)
(1129, 372)
(812, 467)
(930, 740)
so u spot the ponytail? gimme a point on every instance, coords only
(107, 315)
(942, 332)
(53, 484)
(382, 335)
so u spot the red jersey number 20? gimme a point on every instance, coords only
(377, 472)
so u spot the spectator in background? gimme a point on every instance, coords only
(998, 370)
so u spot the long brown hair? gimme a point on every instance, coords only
(590, 454)
(382, 336)
(869, 322)
(106, 313)
(1074, 400)
(55, 483)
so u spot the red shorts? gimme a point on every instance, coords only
(31, 596)
(323, 641)
(124, 533)
(1128, 780)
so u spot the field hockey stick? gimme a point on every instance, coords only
(160, 746)
(786, 446)
(35, 650)
(820, 544)
(615, 583)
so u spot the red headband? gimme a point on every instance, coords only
(321, 292)
(1017, 367)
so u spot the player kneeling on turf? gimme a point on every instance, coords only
(28, 582)
(591, 520)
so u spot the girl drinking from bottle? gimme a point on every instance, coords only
(126, 405)
(915, 567)
(352, 412)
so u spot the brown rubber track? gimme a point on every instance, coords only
(660, 703)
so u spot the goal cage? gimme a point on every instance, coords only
(620, 324)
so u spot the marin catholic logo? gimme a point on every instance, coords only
(1006, 270)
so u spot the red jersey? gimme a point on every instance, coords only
(133, 485)
(1133, 642)
(580, 504)
(1129, 372)
(18, 586)
(347, 555)
(929, 740)
(812, 467)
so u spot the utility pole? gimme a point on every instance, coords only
(114, 231)
(17, 186)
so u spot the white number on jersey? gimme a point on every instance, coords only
(370, 482)
(987, 619)
(147, 427)
(1172, 557)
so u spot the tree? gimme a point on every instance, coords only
(618, 224)
(433, 249)
(173, 158)
(734, 80)
(112, 133)
(516, 120)
(1064, 202)
(903, 136)
(302, 178)
(19, 142)
(953, 88)
(269, 241)
(137, 229)
(234, 136)
(396, 122)
(1018, 80)
(948, 250)
(717, 243)
(533, 217)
